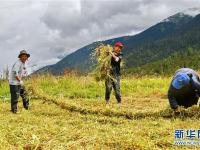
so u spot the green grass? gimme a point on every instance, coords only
(70, 113)
(4, 90)
(86, 87)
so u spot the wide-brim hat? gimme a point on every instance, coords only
(23, 52)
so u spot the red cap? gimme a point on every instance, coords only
(119, 44)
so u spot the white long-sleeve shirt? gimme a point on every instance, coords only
(18, 69)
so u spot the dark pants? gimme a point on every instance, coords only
(16, 91)
(115, 84)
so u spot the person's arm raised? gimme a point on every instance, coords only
(114, 56)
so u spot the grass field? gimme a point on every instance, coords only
(69, 113)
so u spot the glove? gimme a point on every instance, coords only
(21, 83)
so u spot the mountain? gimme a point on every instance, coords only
(174, 35)
(167, 66)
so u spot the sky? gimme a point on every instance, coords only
(51, 29)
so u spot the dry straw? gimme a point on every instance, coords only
(102, 57)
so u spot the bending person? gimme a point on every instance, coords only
(184, 89)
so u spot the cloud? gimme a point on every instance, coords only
(48, 28)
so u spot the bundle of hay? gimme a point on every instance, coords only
(103, 62)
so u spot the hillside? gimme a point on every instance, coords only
(169, 65)
(173, 35)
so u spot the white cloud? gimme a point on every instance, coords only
(49, 28)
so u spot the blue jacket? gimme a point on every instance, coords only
(184, 89)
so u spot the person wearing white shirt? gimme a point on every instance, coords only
(16, 83)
